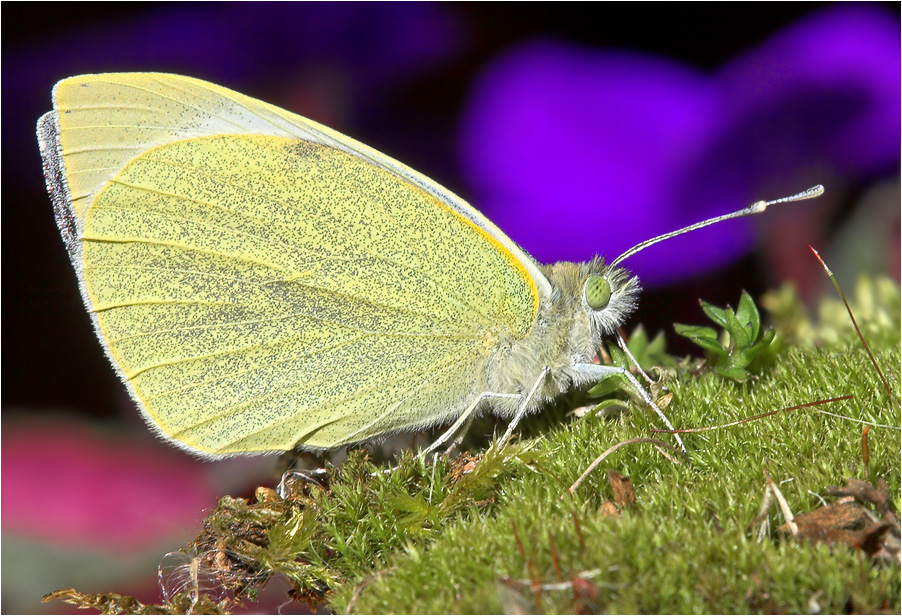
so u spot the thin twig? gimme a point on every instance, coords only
(866, 453)
(762, 514)
(784, 506)
(754, 417)
(617, 446)
(861, 421)
(579, 532)
(554, 560)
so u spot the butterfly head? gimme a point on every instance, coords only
(608, 296)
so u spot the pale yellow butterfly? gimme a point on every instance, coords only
(261, 282)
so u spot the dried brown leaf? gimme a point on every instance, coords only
(608, 510)
(624, 496)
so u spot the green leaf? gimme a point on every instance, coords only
(739, 333)
(696, 332)
(658, 345)
(618, 357)
(657, 355)
(714, 313)
(704, 337)
(604, 404)
(748, 315)
(606, 387)
(638, 340)
(732, 373)
(649, 354)
(763, 343)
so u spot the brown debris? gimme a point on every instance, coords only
(864, 492)
(235, 534)
(114, 603)
(299, 484)
(862, 518)
(624, 496)
(585, 596)
(758, 599)
(609, 510)
(463, 465)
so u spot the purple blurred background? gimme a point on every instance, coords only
(576, 135)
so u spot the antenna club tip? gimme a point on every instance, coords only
(811, 193)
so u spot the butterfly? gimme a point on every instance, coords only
(261, 282)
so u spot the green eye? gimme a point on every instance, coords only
(598, 292)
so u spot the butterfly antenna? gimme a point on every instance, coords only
(755, 208)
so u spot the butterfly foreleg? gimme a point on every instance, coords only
(597, 372)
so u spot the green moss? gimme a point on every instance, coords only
(685, 546)
(475, 534)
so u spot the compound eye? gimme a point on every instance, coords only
(598, 292)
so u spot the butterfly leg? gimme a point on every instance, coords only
(596, 372)
(622, 344)
(463, 422)
(461, 433)
(523, 406)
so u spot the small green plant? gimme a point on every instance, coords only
(648, 353)
(742, 349)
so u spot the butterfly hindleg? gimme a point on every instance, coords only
(463, 422)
